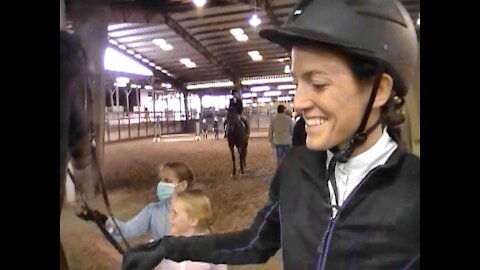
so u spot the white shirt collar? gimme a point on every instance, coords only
(384, 146)
(350, 174)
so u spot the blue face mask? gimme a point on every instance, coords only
(165, 190)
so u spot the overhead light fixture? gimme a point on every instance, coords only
(167, 47)
(266, 79)
(123, 47)
(281, 60)
(239, 34)
(272, 93)
(286, 86)
(130, 52)
(166, 85)
(133, 85)
(418, 20)
(152, 64)
(267, 99)
(158, 68)
(292, 92)
(257, 58)
(159, 42)
(249, 95)
(284, 98)
(237, 31)
(253, 53)
(255, 21)
(287, 69)
(112, 41)
(138, 56)
(199, 3)
(209, 85)
(190, 65)
(260, 88)
(185, 60)
(247, 101)
(145, 60)
(241, 37)
(162, 44)
(148, 87)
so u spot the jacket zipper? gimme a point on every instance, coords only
(331, 224)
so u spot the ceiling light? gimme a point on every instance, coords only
(286, 86)
(241, 37)
(272, 93)
(190, 65)
(199, 3)
(260, 88)
(255, 21)
(237, 31)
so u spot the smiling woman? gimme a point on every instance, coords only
(333, 91)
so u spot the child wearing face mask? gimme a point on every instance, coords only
(153, 218)
(191, 214)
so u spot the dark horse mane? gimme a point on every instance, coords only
(73, 79)
(73, 60)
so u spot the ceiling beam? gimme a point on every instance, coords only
(271, 15)
(266, 5)
(179, 30)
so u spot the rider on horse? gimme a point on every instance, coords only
(236, 103)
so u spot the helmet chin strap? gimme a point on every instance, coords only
(360, 136)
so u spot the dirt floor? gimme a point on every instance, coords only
(130, 173)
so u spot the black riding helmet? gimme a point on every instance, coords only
(380, 30)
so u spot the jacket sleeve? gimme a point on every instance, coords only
(253, 245)
(137, 226)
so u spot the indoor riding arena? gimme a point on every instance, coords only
(164, 71)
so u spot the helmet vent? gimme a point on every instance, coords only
(380, 9)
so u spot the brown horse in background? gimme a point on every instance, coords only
(237, 136)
